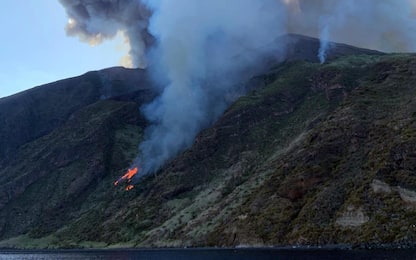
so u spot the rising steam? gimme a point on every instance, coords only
(200, 49)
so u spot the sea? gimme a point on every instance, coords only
(208, 254)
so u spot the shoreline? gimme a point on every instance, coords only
(344, 247)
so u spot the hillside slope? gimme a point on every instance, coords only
(316, 154)
(31, 114)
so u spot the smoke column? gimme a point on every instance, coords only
(202, 46)
(96, 20)
(388, 25)
(333, 19)
(199, 49)
(324, 40)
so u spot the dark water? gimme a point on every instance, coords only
(209, 254)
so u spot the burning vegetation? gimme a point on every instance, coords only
(127, 177)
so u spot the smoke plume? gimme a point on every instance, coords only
(96, 20)
(387, 25)
(199, 49)
(201, 45)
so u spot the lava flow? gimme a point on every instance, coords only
(128, 176)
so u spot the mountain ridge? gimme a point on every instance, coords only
(315, 154)
(94, 85)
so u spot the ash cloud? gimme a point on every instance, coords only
(94, 21)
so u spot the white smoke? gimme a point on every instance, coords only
(324, 38)
(201, 45)
(387, 25)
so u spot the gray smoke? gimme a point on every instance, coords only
(96, 20)
(202, 45)
(387, 25)
(200, 49)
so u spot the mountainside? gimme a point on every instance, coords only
(315, 154)
(33, 113)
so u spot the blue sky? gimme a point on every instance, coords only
(35, 49)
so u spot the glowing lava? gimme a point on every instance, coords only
(127, 177)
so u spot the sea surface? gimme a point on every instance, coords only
(209, 254)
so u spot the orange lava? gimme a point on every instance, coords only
(128, 176)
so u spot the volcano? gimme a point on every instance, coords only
(312, 155)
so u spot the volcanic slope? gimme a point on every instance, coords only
(315, 155)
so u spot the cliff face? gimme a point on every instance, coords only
(315, 154)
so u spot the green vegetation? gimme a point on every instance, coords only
(292, 162)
